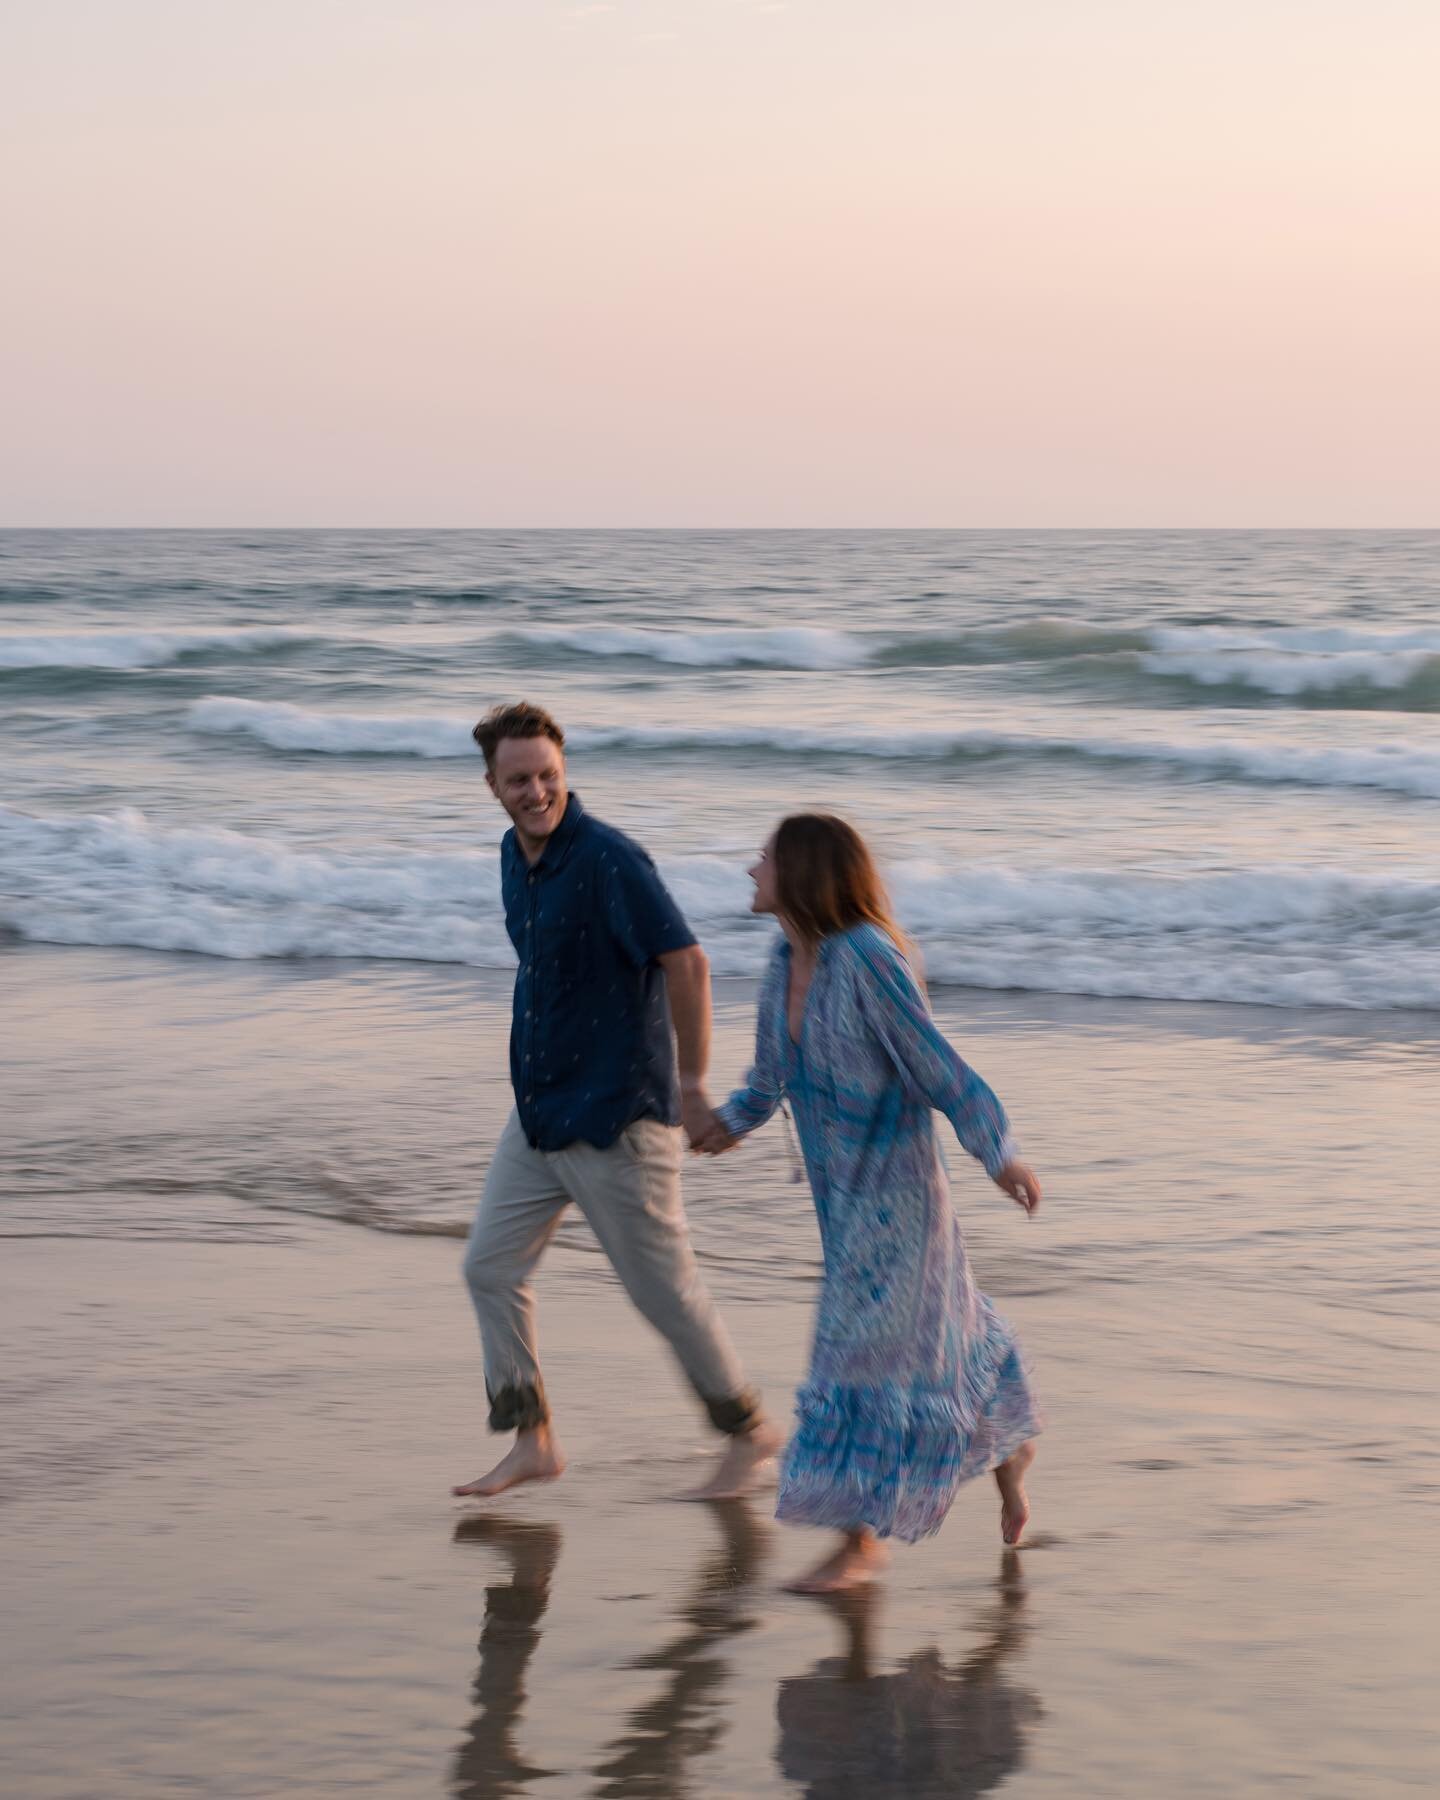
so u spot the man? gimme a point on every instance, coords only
(607, 965)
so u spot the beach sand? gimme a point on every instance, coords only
(232, 1566)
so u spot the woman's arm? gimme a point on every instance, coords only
(893, 1005)
(751, 1105)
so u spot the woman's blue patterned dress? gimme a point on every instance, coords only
(915, 1382)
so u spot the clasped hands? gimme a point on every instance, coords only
(703, 1129)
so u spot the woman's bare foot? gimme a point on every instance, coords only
(1014, 1504)
(859, 1560)
(534, 1456)
(742, 1460)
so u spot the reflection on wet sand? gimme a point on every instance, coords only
(685, 1719)
(488, 1764)
(925, 1731)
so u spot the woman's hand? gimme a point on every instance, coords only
(1021, 1183)
(714, 1142)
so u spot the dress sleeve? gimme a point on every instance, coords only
(751, 1105)
(892, 1003)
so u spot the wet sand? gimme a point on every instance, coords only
(232, 1566)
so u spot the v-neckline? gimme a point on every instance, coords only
(797, 1041)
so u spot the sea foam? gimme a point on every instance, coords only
(1277, 936)
(135, 649)
(284, 727)
(1399, 667)
(717, 647)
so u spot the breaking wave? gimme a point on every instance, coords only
(138, 649)
(1273, 936)
(1399, 670)
(1393, 768)
(1302, 666)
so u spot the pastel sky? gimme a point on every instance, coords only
(720, 262)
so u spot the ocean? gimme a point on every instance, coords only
(1160, 809)
(1164, 765)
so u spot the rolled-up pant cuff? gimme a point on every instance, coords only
(735, 1415)
(519, 1407)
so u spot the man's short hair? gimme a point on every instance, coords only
(518, 721)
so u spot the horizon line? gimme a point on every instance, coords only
(733, 528)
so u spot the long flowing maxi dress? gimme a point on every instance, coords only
(915, 1382)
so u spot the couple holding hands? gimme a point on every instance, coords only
(915, 1383)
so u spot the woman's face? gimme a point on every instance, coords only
(762, 873)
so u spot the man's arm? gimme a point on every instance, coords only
(687, 977)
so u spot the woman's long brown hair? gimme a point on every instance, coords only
(826, 879)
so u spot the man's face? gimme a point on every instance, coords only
(528, 780)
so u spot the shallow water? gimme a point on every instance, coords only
(238, 1386)
(179, 1098)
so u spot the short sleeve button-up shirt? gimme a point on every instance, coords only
(590, 1044)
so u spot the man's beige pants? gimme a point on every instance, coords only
(630, 1193)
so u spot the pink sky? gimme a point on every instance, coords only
(720, 262)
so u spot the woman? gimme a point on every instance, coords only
(915, 1384)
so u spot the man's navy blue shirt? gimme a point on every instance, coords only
(590, 1045)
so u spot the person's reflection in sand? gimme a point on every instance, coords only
(684, 1720)
(924, 1733)
(488, 1765)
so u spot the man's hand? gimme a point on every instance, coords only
(697, 1115)
(706, 1135)
(716, 1141)
(1021, 1183)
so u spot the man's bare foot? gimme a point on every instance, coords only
(1014, 1504)
(535, 1456)
(743, 1458)
(859, 1560)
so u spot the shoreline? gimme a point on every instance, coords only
(235, 1567)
